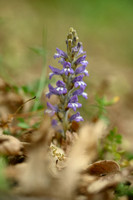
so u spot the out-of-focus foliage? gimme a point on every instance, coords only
(111, 144)
(124, 189)
(3, 181)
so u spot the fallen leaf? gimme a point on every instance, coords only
(10, 145)
(103, 167)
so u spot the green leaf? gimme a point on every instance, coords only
(118, 139)
(23, 125)
(129, 155)
(36, 125)
(6, 132)
(124, 189)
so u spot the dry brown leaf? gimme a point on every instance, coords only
(103, 167)
(83, 152)
(40, 170)
(111, 176)
(104, 183)
(10, 145)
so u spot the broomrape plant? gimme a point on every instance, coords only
(71, 84)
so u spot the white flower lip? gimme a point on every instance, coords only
(59, 89)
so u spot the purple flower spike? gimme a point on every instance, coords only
(73, 103)
(79, 60)
(70, 85)
(55, 72)
(67, 68)
(76, 117)
(51, 110)
(59, 54)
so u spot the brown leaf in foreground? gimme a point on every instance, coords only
(103, 167)
(82, 153)
(103, 175)
(39, 170)
(10, 145)
(103, 183)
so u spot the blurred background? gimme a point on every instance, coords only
(105, 28)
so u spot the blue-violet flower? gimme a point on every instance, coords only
(71, 84)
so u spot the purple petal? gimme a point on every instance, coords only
(60, 84)
(56, 55)
(84, 62)
(74, 106)
(74, 99)
(75, 49)
(73, 117)
(55, 70)
(62, 60)
(76, 117)
(80, 69)
(67, 64)
(84, 94)
(50, 106)
(79, 60)
(80, 83)
(51, 89)
(78, 78)
(60, 90)
(48, 94)
(66, 71)
(78, 92)
(51, 109)
(61, 53)
(86, 72)
(51, 75)
(81, 51)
